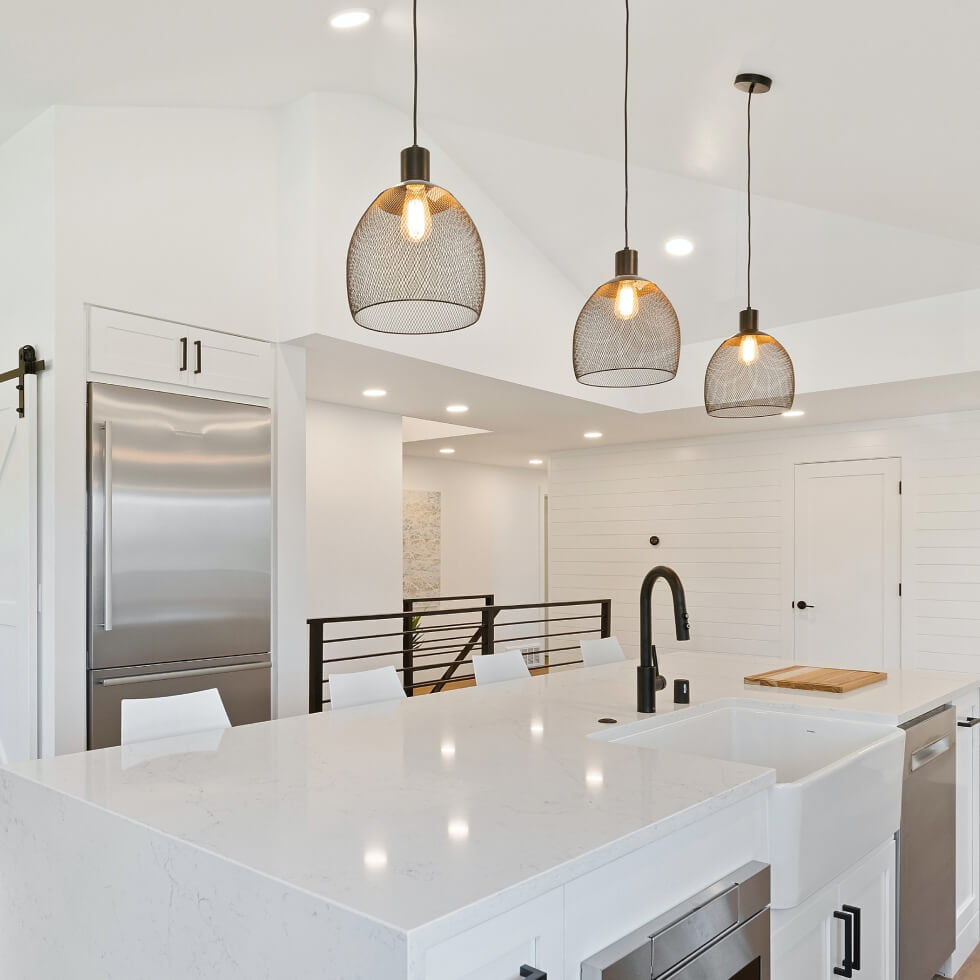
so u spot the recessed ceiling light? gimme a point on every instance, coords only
(447, 450)
(346, 19)
(457, 408)
(374, 393)
(593, 435)
(795, 413)
(536, 462)
(679, 246)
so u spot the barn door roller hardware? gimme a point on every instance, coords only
(27, 363)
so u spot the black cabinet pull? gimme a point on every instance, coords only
(856, 913)
(532, 973)
(183, 353)
(803, 605)
(847, 968)
(197, 348)
(969, 723)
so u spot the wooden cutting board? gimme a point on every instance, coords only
(832, 679)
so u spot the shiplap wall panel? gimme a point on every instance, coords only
(723, 508)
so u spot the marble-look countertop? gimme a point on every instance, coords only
(407, 812)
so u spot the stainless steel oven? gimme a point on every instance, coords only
(722, 933)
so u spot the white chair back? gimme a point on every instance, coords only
(364, 687)
(604, 651)
(506, 666)
(144, 719)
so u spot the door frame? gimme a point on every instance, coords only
(789, 582)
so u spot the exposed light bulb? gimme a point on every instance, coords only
(748, 349)
(416, 214)
(627, 300)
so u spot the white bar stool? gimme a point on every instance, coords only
(604, 651)
(506, 666)
(145, 719)
(364, 687)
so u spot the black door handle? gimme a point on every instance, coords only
(532, 973)
(803, 605)
(183, 353)
(856, 912)
(847, 967)
(197, 348)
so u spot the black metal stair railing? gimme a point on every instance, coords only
(437, 644)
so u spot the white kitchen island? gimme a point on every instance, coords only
(446, 837)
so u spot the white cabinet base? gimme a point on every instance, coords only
(808, 941)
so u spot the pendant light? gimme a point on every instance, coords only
(750, 375)
(415, 263)
(627, 334)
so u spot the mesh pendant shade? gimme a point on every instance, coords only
(626, 336)
(415, 263)
(736, 390)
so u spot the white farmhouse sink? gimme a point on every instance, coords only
(839, 783)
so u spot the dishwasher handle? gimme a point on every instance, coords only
(929, 753)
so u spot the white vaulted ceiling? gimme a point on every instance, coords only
(866, 155)
(871, 114)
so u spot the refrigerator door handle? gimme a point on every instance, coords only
(174, 674)
(107, 535)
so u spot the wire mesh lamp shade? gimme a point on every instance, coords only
(627, 334)
(749, 376)
(415, 263)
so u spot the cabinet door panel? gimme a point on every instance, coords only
(221, 362)
(803, 939)
(531, 934)
(967, 833)
(134, 346)
(870, 887)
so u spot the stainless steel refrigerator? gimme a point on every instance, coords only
(180, 553)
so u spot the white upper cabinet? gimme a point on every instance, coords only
(144, 348)
(136, 346)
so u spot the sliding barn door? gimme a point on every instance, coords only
(18, 575)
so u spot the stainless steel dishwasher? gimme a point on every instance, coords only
(722, 933)
(927, 846)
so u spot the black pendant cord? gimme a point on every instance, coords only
(748, 196)
(626, 134)
(415, 64)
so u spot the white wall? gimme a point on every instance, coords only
(353, 511)
(492, 531)
(723, 508)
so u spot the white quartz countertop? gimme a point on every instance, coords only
(411, 811)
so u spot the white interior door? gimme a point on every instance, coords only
(18, 575)
(848, 564)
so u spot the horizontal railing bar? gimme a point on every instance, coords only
(363, 656)
(544, 636)
(451, 626)
(443, 639)
(556, 619)
(414, 629)
(451, 598)
(449, 612)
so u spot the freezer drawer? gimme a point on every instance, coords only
(243, 682)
